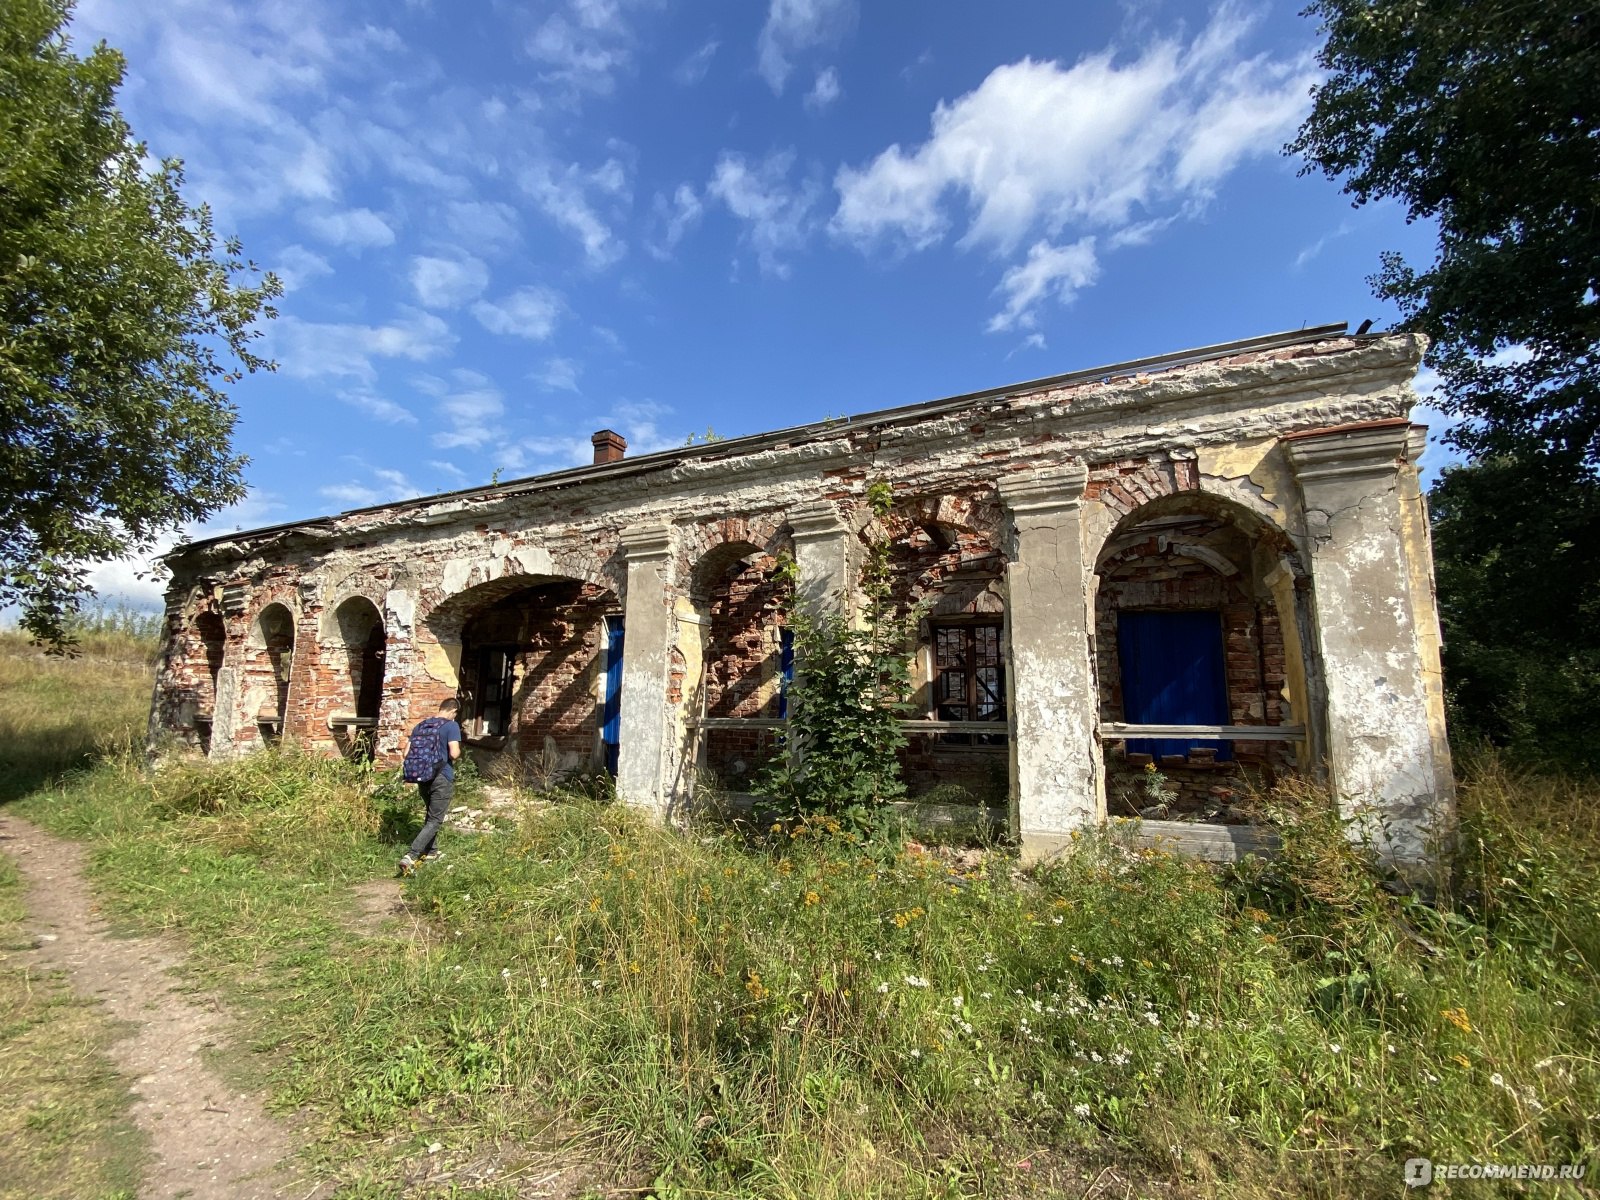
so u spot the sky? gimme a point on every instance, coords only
(501, 226)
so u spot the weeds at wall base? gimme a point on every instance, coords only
(719, 1017)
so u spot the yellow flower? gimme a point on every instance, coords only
(1458, 1018)
(633, 967)
(1461, 1060)
(812, 898)
(594, 904)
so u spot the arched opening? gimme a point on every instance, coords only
(1202, 679)
(361, 634)
(539, 673)
(213, 639)
(269, 658)
(945, 561)
(734, 661)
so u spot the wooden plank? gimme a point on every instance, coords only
(336, 720)
(1116, 730)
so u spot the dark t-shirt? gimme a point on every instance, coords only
(449, 732)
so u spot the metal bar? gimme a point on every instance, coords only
(335, 720)
(1111, 731)
(1001, 728)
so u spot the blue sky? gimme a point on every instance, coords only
(503, 227)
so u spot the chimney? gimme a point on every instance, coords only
(609, 446)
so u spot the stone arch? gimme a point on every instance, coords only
(947, 563)
(727, 662)
(1167, 564)
(267, 668)
(525, 654)
(354, 635)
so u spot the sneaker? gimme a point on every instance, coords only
(432, 856)
(407, 865)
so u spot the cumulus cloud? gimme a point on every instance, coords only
(529, 312)
(448, 282)
(777, 215)
(297, 266)
(1110, 145)
(693, 68)
(825, 91)
(674, 217)
(316, 349)
(351, 228)
(470, 409)
(794, 27)
(1048, 270)
(564, 196)
(557, 375)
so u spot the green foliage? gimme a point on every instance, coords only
(117, 304)
(852, 686)
(1482, 117)
(1519, 593)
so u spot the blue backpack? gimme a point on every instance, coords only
(425, 754)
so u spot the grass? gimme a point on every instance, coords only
(64, 1133)
(803, 1014)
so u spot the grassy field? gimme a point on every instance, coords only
(802, 1014)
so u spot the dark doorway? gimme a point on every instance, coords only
(1173, 674)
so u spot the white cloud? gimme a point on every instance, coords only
(824, 92)
(311, 349)
(693, 68)
(378, 407)
(777, 216)
(1109, 145)
(448, 282)
(469, 406)
(583, 47)
(352, 228)
(297, 266)
(558, 375)
(482, 222)
(352, 495)
(1048, 270)
(675, 217)
(563, 195)
(529, 312)
(795, 26)
(456, 474)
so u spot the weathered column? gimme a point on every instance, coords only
(1055, 761)
(1383, 759)
(822, 557)
(646, 657)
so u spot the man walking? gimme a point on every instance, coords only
(434, 746)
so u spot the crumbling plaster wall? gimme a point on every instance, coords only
(1214, 427)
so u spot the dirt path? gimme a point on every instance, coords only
(209, 1141)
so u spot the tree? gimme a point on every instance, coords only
(118, 311)
(1483, 115)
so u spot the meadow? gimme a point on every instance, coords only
(582, 1000)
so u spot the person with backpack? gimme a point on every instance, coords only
(434, 746)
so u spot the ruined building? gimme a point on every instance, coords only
(1217, 562)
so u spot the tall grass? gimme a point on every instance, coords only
(803, 1013)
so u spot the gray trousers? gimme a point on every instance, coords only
(436, 795)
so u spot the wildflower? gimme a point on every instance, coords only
(1152, 1018)
(812, 898)
(1081, 1111)
(1335, 1047)
(633, 967)
(883, 988)
(1391, 1049)
(916, 981)
(1458, 1018)
(505, 972)
(1497, 1079)
(915, 1053)
(986, 995)
(1461, 1060)
(594, 904)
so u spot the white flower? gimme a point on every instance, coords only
(915, 1053)
(916, 981)
(1081, 1111)
(505, 972)
(1335, 1047)
(1497, 1079)
(956, 1001)
(1152, 1017)
(883, 987)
